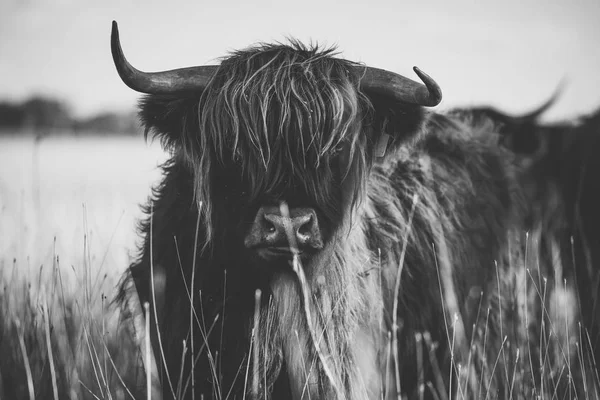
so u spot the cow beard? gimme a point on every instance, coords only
(344, 307)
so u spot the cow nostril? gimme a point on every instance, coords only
(269, 224)
(306, 228)
(270, 227)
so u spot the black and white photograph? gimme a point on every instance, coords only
(310, 200)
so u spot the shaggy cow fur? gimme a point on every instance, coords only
(559, 175)
(417, 243)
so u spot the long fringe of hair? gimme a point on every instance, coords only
(278, 112)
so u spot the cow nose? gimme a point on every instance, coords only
(303, 226)
(272, 229)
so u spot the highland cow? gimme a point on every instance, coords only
(318, 234)
(559, 175)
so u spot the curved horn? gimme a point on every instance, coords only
(535, 114)
(165, 82)
(401, 88)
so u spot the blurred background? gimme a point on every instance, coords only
(74, 166)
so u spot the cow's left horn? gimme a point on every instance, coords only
(400, 88)
(164, 82)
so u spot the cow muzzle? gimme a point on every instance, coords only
(281, 232)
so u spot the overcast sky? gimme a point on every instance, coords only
(509, 53)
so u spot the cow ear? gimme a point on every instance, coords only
(394, 123)
(167, 117)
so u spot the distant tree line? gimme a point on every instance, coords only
(45, 115)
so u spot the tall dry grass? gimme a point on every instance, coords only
(67, 233)
(61, 338)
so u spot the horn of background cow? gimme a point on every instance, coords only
(400, 88)
(165, 82)
(535, 114)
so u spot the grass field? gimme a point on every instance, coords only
(68, 207)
